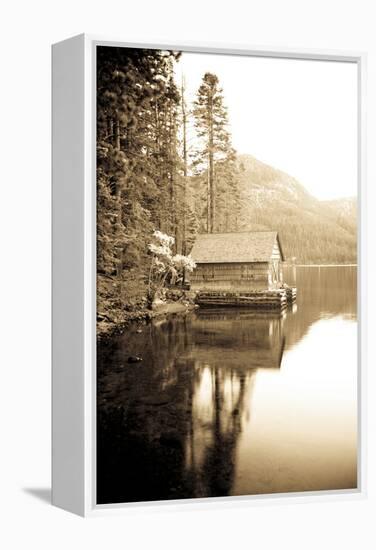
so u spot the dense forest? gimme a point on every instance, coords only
(151, 177)
(148, 178)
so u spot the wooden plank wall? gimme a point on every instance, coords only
(276, 254)
(230, 276)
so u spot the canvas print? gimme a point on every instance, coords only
(226, 275)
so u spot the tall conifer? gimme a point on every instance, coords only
(214, 155)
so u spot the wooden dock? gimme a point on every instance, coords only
(277, 299)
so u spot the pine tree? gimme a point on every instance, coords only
(214, 158)
(184, 122)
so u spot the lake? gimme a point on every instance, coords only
(234, 402)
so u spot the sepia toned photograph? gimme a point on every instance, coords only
(227, 337)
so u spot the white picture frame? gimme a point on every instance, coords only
(74, 274)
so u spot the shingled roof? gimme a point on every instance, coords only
(250, 246)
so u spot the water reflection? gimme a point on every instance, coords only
(230, 402)
(323, 293)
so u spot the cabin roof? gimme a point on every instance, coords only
(244, 247)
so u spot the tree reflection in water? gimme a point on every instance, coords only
(168, 427)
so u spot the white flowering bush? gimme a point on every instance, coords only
(164, 264)
(183, 262)
(164, 239)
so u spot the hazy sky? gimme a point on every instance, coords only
(298, 116)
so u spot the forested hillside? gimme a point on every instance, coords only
(151, 177)
(312, 231)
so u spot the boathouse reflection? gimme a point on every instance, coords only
(169, 427)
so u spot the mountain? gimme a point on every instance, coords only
(346, 212)
(312, 231)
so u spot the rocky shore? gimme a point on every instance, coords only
(173, 302)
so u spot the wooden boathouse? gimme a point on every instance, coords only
(239, 269)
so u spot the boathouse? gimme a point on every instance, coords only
(237, 262)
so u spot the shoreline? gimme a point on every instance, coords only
(320, 265)
(106, 330)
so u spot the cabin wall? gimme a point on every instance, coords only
(275, 267)
(231, 277)
(276, 254)
(275, 274)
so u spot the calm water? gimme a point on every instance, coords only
(229, 402)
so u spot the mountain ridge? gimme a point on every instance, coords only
(312, 230)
